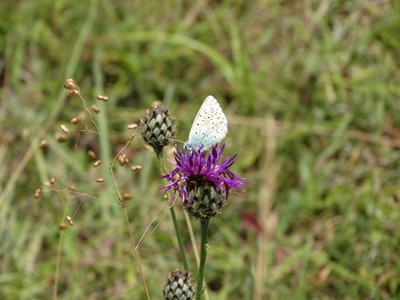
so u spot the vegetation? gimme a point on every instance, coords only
(311, 91)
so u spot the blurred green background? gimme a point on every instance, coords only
(311, 90)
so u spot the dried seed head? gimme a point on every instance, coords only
(64, 128)
(53, 179)
(136, 168)
(178, 286)
(75, 121)
(126, 197)
(72, 188)
(123, 159)
(132, 126)
(73, 93)
(97, 163)
(37, 193)
(100, 180)
(102, 98)
(70, 221)
(91, 154)
(70, 84)
(95, 108)
(43, 144)
(158, 128)
(61, 138)
(62, 226)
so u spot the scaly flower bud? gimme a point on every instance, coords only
(158, 127)
(178, 286)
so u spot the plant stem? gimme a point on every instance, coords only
(175, 221)
(203, 256)
(128, 224)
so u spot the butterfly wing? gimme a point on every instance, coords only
(209, 127)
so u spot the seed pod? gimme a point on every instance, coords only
(132, 126)
(70, 221)
(64, 128)
(73, 93)
(136, 168)
(37, 193)
(75, 121)
(91, 154)
(95, 108)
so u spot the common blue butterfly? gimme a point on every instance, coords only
(209, 126)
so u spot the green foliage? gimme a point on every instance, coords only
(325, 71)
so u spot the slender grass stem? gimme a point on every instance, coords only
(58, 261)
(203, 256)
(128, 224)
(175, 221)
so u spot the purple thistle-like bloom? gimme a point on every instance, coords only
(199, 168)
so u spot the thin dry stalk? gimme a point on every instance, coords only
(266, 219)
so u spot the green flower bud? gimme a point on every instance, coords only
(158, 128)
(178, 286)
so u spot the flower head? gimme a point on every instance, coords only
(202, 182)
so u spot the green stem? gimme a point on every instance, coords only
(203, 256)
(175, 221)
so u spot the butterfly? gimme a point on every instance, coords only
(209, 127)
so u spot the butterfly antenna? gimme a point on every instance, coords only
(175, 140)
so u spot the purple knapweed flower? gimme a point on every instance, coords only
(202, 182)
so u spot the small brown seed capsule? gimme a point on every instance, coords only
(73, 93)
(61, 138)
(91, 154)
(53, 179)
(100, 180)
(102, 98)
(64, 128)
(70, 221)
(123, 159)
(62, 226)
(70, 84)
(43, 144)
(37, 193)
(97, 163)
(72, 188)
(75, 121)
(136, 168)
(95, 108)
(126, 196)
(132, 126)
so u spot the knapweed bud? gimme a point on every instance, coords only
(178, 286)
(158, 128)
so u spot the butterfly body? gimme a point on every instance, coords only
(209, 127)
